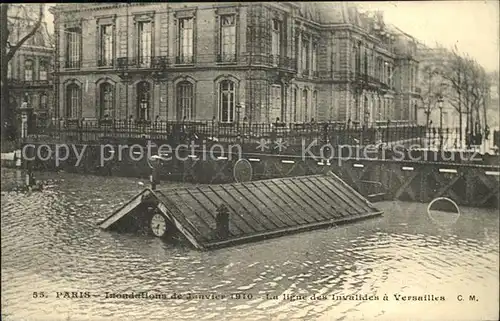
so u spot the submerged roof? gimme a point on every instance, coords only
(257, 209)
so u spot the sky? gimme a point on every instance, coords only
(472, 25)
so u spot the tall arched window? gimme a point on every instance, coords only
(227, 103)
(106, 103)
(73, 101)
(43, 70)
(276, 101)
(185, 101)
(304, 105)
(143, 100)
(43, 101)
(28, 70)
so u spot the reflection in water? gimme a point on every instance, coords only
(51, 243)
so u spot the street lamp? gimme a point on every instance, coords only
(440, 105)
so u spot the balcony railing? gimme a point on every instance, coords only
(105, 63)
(281, 62)
(72, 64)
(141, 62)
(184, 59)
(228, 58)
(160, 62)
(28, 83)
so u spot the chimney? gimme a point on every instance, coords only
(222, 222)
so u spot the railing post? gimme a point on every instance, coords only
(28, 163)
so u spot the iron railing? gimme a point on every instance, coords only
(295, 135)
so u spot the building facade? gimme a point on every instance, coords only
(256, 62)
(29, 71)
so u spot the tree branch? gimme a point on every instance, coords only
(37, 25)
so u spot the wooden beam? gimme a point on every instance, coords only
(190, 237)
(290, 230)
(125, 209)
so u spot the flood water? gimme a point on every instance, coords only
(51, 243)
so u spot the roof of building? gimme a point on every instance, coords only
(257, 210)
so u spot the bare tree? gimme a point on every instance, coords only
(431, 90)
(468, 87)
(8, 22)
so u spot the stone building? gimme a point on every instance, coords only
(29, 72)
(231, 62)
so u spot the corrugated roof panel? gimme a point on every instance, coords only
(268, 217)
(259, 209)
(276, 205)
(303, 210)
(193, 210)
(323, 196)
(207, 210)
(239, 208)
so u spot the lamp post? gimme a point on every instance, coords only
(440, 105)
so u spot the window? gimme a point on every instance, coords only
(314, 57)
(106, 45)
(226, 101)
(73, 40)
(391, 78)
(370, 63)
(388, 74)
(379, 71)
(276, 41)
(38, 39)
(73, 100)
(357, 59)
(412, 79)
(227, 39)
(185, 40)
(365, 61)
(314, 110)
(304, 105)
(295, 105)
(43, 101)
(365, 111)
(106, 100)
(276, 99)
(143, 100)
(9, 70)
(144, 47)
(379, 109)
(297, 53)
(185, 101)
(28, 70)
(43, 70)
(305, 56)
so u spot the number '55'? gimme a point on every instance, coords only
(38, 295)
